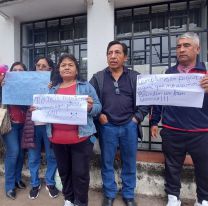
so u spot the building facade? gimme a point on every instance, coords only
(31, 28)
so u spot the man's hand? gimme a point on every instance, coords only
(154, 131)
(134, 120)
(103, 119)
(204, 83)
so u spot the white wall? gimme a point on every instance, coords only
(100, 32)
(9, 41)
(16, 40)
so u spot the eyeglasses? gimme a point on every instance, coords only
(42, 67)
(117, 90)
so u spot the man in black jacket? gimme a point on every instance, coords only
(185, 129)
(118, 122)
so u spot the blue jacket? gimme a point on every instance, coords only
(183, 118)
(82, 88)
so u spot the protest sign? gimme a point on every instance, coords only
(63, 109)
(20, 87)
(170, 89)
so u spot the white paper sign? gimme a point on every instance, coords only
(170, 89)
(63, 109)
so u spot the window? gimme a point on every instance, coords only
(54, 37)
(150, 33)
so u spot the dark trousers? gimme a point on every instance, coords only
(73, 161)
(175, 145)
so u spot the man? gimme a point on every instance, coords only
(118, 122)
(185, 129)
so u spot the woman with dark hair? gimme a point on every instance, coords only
(43, 64)
(14, 155)
(73, 144)
(18, 66)
(34, 145)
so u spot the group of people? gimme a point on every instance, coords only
(112, 114)
(26, 134)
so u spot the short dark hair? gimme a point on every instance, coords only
(18, 63)
(125, 49)
(57, 77)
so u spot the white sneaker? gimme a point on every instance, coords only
(68, 203)
(173, 201)
(204, 203)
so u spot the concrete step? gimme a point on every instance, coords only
(150, 178)
(95, 198)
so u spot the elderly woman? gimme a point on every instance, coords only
(12, 141)
(73, 144)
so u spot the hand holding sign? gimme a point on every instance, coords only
(63, 109)
(20, 87)
(204, 83)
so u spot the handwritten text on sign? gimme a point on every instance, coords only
(170, 89)
(64, 109)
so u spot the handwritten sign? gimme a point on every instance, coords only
(64, 109)
(20, 87)
(170, 89)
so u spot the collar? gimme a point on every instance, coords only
(77, 82)
(198, 66)
(125, 70)
(184, 69)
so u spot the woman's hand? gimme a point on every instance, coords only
(89, 104)
(2, 83)
(32, 108)
(50, 85)
(2, 75)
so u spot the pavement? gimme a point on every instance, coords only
(95, 198)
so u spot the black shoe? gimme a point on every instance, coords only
(11, 194)
(52, 191)
(107, 201)
(34, 192)
(130, 202)
(20, 185)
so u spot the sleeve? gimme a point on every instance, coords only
(141, 112)
(94, 83)
(156, 113)
(96, 109)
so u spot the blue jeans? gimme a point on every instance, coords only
(14, 156)
(124, 137)
(34, 158)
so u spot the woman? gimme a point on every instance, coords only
(73, 144)
(14, 156)
(39, 137)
